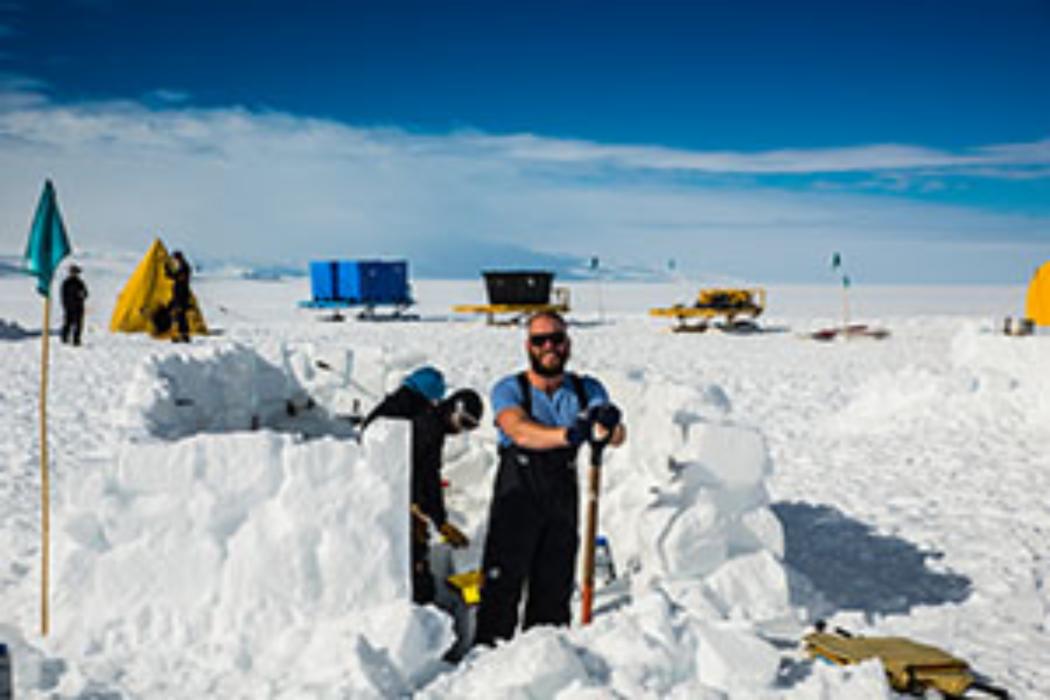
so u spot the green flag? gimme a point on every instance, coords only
(48, 243)
(836, 261)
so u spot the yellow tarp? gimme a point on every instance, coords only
(1037, 305)
(148, 290)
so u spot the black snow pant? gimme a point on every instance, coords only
(533, 537)
(423, 590)
(179, 309)
(73, 324)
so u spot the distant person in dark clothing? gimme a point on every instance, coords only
(74, 292)
(417, 400)
(179, 272)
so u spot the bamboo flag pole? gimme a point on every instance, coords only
(596, 266)
(845, 303)
(47, 246)
(45, 481)
(836, 265)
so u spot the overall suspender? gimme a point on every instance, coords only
(526, 391)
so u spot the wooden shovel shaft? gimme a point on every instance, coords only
(594, 482)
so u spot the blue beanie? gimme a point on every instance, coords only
(426, 381)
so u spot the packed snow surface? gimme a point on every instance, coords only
(219, 531)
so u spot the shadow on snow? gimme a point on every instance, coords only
(852, 567)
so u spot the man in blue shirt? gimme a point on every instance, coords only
(544, 414)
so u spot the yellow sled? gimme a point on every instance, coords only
(729, 304)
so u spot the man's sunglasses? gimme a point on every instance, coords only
(540, 339)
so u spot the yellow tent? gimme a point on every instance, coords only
(1037, 306)
(148, 291)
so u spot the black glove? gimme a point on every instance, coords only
(580, 431)
(606, 415)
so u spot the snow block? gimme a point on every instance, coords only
(734, 661)
(700, 489)
(537, 664)
(751, 587)
(232, 551)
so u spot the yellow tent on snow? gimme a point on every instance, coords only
(1037, 305)
(146, 292)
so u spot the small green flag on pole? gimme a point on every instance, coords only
(48, 243)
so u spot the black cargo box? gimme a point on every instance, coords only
(518, 286)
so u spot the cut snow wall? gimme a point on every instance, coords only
(228, 387)
(685, 498)
(216, 388)
(243, 556)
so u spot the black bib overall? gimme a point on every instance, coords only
(533, 535)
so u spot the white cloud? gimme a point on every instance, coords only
(20, 92)
(164, 96)
(270, 186)
(826, 160)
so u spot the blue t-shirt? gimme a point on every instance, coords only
(558, 409)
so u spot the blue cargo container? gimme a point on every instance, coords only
(360, 282)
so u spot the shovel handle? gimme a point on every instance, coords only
(591, 531)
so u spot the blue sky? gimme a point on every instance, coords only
(746, 140)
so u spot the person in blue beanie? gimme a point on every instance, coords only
(427, 382)
(420, 400)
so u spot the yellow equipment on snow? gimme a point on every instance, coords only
(147, 292)
(727, 303)
(1037, 304)
(468, 584)
(911, 667)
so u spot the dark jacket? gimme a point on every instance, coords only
(74, 292)
(179, 272)
(403, 403)
(428, 440)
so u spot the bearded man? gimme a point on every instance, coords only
(543, 414)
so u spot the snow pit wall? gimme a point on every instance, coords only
(241, 556)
